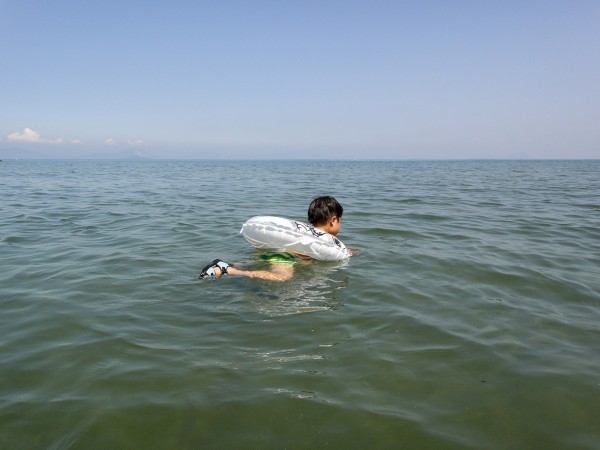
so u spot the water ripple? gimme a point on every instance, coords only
(467, 319)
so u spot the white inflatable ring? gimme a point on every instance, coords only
(283, 234)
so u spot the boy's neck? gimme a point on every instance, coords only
(329, 227)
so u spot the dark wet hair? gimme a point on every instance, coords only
(322, 208)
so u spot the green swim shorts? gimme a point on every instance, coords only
(278, 257)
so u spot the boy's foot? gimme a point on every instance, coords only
(215, 269)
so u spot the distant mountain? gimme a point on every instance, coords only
(130, 153)
(134, 153)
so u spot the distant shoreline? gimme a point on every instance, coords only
(5, 159)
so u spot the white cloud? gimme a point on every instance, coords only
(110, 141)
(134, 142)
(77, 142)
(28, 135)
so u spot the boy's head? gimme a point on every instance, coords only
(324, 209)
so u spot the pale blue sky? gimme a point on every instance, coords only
(301, 79)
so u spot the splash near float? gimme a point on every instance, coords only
(277, 233)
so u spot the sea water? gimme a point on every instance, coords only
(469, 317)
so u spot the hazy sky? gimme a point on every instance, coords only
(301, 79)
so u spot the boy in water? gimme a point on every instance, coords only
(324, 213)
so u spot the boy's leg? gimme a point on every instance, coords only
(278, 272)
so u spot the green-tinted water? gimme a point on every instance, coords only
(468, 319)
